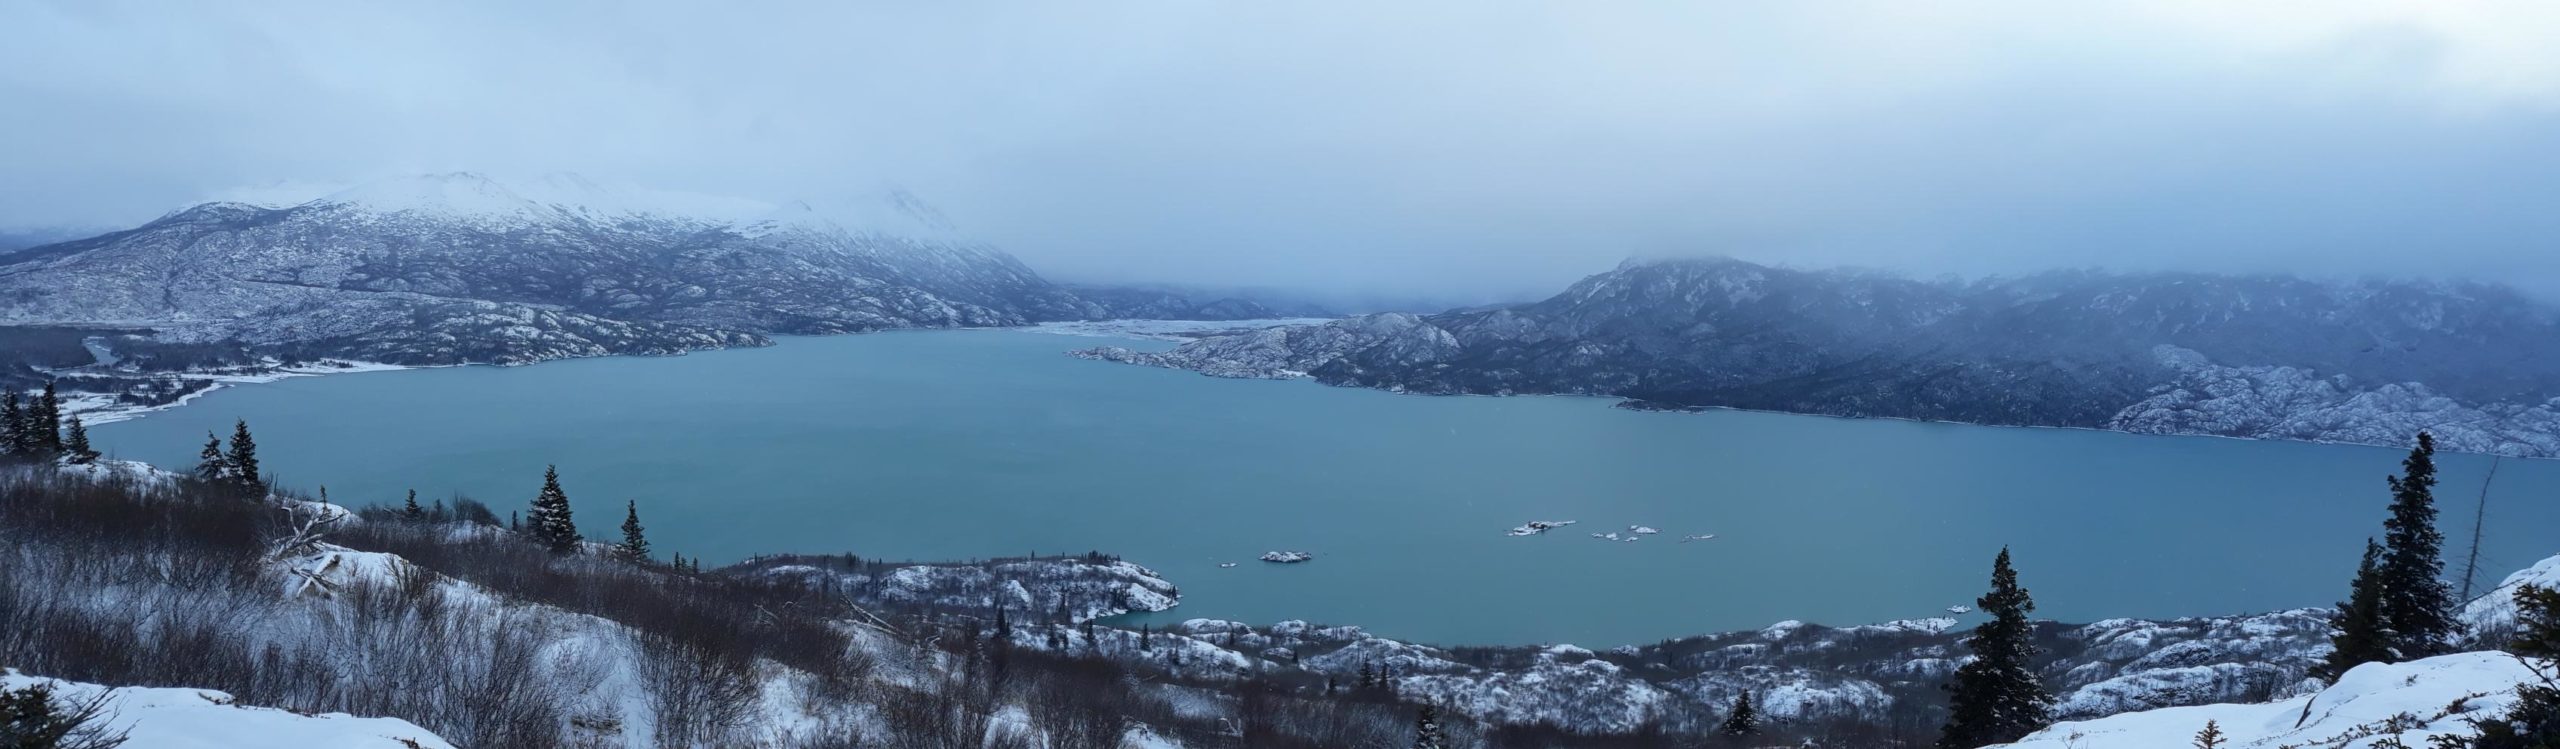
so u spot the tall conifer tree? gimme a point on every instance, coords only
(2359, 634)
(48, 421)
(411, 510)
(635, 545)
(2415, 600)
(549, 521)
(243, 459)
(1997, 697)
(13, 424)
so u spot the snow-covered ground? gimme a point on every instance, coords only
(2371, 704)
(1166, 330)
(95, 408)
(171, 718)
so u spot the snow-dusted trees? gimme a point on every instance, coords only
(2534, 721)
(635, 545)
(75, 443)
(2358, 632)
(2210, 737)
(2416, 602)
(1997, 697)
(235, 469)
(1426, 729)
(44, 422)
(31, 718)
(549, 522)
(243, 462)
(211, 466)
(13, 424)
(1742, 719)
(2399, 608)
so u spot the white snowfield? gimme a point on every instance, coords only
(164, 718)
(2374, 702)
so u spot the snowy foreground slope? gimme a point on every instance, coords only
(2373, 703)
(164, 718)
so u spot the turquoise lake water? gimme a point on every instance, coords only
(960, 444)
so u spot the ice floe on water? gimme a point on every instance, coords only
(1535, 527)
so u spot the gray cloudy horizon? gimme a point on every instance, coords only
(1462, 150)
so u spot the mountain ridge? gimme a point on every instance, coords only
(2166, 353)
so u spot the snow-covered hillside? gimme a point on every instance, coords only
(2370, 705)
(2270, 357)
(452, 268)
(174, 718)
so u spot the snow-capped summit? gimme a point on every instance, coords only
(498, 202)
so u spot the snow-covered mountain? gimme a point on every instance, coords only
(461, 267)
(2248, 356)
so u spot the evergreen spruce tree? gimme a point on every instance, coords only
(244, 462)
(1426, 729)
(1996, 697)
(212, 466)
(1743, 719)
(48, 421)
(75, 443)
(2358, 633)
(13, 424)
(2210, 737)
(635, 547)
(2533, 722)
(411, 511)
(549, 520)
(2415, 600)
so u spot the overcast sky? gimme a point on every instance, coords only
(1466, 148)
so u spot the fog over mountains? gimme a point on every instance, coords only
(454, 268)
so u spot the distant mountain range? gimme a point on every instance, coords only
(2172, 353)
(459, 267)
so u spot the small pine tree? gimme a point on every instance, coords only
(2533, 722)
(212, 466)
(75, 444)
(676, 561)
(2358, 632)
(30, 718)
(2415, 600)
(1426, 729)
(244, 462)
(1743, 719)
(1997, 697)
(2210, 737)
(550, 519)
(635, 546)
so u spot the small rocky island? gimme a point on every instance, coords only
(1286, 557)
